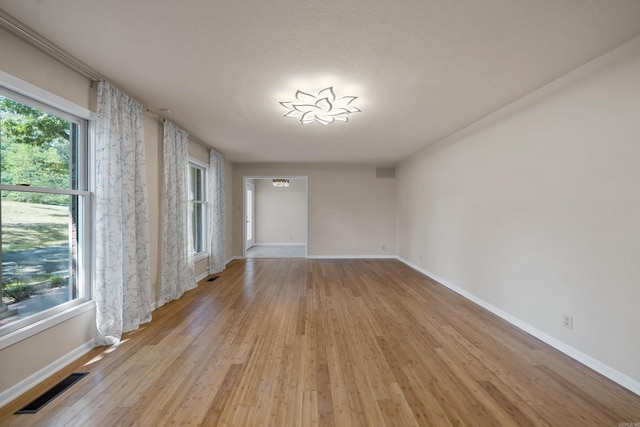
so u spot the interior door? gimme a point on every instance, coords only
(250, 211)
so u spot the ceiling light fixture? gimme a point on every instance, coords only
(323, 108)
(280, 182)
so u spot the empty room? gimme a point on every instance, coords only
(366, 213)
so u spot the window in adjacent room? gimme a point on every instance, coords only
(43, 211)
(198, 207)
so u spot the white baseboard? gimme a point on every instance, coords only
(279, 244)
(606, 370)
(202, 276)
(352, 257)
(233, 258)
(32, 380)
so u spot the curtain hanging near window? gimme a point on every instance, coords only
(177, 273)
(217, 227)
(123, 286)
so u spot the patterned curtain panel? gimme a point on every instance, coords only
(177, 273)
(217, 227)
(122, 286)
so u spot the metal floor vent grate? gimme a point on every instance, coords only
(212, 278)
(52, 393)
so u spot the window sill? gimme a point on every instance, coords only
(200, 256)
(44, 324)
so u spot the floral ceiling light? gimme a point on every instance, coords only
(323, 108)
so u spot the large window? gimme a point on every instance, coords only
(43, 214)
(198, 202)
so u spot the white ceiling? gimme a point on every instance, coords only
(421, 69)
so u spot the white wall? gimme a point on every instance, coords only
(281, 212)
(536, 209)
(351, 212)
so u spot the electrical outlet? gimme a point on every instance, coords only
(567, 321)
(420, 257)
(383, 247)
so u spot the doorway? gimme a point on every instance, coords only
(249, 202)
(275, 217)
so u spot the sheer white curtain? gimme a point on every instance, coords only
(123, 286)
(177, 273)
(217, 227)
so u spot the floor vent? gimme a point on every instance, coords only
(52, 393)
(212, 278)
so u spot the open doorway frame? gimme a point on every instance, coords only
(246, 183)
(249, 215)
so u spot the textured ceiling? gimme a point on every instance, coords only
(421, 69)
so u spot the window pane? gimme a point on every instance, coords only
(192, 181)
(39, 251)
(196, 175)
(198, 188)
(197, 217)
(38, 149)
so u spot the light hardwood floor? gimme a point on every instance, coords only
(297, 342)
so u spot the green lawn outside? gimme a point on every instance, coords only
(29, 226)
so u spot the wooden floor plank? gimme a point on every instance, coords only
(303, 342)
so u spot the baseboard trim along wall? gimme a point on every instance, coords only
(233, 258)
(352, 257)
(279, 244)
(609, 372)
(33, 380)
(202, 276)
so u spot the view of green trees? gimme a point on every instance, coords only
(35, 149)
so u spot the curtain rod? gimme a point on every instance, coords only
(41, 43)
(192, 137)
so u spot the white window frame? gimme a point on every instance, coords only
(195, 163)
(24, 92)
